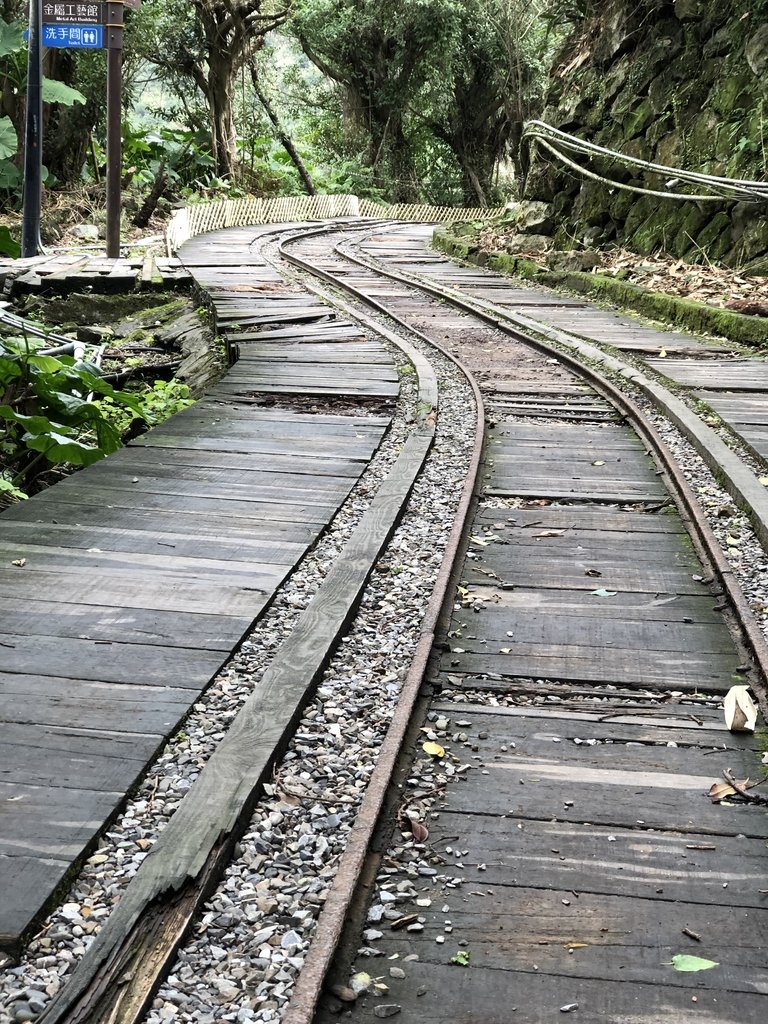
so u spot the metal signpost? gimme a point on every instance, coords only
(33, 139)
(79, 25)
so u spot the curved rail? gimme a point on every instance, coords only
(158, 905)
(147, 922)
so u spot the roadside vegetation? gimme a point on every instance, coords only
(419, 102)
(422, 101)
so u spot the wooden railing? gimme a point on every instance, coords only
(230, 213)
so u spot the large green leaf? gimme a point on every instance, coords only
(8, 244)
(32, 424)
(58, 92)
(7, 488)
(10, 175)
(8, 140)
(686, 962)
(48, 364)
(60, 448)
(11, 37)
(10, 369)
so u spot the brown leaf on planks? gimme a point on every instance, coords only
(721, 790)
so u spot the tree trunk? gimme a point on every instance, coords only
(223, 133)
(149, 205)
(405, 184)
(282, 135)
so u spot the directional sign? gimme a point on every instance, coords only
(74, 37)
(73, 14)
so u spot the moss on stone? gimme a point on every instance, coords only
(694, 219)
(730, 94)
(638, 119)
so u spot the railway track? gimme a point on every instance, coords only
(552, 848)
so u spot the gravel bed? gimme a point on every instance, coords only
(248, 945)
(745, 553)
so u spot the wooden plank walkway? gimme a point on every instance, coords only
(573, 851)
(407, 248)
(67, 272)
(126, 586)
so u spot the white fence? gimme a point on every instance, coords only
(231, 213)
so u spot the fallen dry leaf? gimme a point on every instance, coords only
(433, 749)
(719, 791)
(419, 832)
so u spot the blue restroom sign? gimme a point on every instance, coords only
(73, 36)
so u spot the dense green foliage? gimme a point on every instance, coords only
(46, 417)
(416, 101)
(57, 413)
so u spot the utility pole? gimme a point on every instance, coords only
(33, 138)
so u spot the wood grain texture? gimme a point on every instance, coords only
(139, 575)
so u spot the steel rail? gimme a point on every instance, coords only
(319, 958)
(307, 990)
(707, 546)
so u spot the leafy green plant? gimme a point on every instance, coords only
(183, 155)
(157, 403)
(8, 244)
(46, 418)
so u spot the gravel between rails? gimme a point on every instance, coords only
(248, 945)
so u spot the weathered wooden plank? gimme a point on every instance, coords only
(499, 997)
(115, 497)
(164, 591)
(625, 939)
(39, 755)
(664, 550)
(708, 673)
(608, 437)
(658, 866)
(192, 525)
(204, 544)
(20, 875)
(608, 743)
(648, 607)
(244, 444)
(242, 490)
(730, 374)
(663, 712)
(45, 822)
(583, 519)
(499, 627)
(603, 796)
(130, 625)
(518, 486)
(78, 704)
(245, 573)
(108, 661)
(562, 574)
(305, 386)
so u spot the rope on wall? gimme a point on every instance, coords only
(715, 189)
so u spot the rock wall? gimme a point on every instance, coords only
(679, 82)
